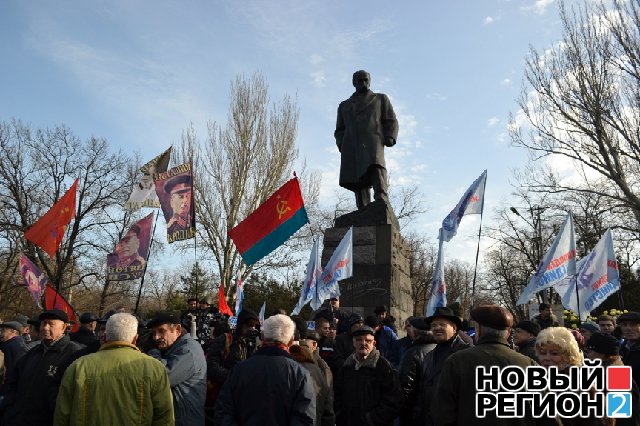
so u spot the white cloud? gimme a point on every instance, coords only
(493, 121)
(539, 6)
(316, 59)
(506, 82)
(319, 78)
(488, 20)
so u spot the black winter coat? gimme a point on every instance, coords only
(409, 375)
(631, 356)
(528, 348)
(219, 365)
(30, 394)
(84, 336)
(13, 350)
(343, 348)
(370, 395)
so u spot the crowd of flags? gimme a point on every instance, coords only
(583, 285)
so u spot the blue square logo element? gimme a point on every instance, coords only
(619, 405)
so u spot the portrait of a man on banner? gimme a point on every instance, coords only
(33, 279)
(128, 260)
(174, 189)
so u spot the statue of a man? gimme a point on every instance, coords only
(366, 124)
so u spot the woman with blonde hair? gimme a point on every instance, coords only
(556, 347)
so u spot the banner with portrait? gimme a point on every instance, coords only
(144, 193)
(33, 279)
(174, 189)
(129, 259)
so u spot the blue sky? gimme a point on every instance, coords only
(138, 72)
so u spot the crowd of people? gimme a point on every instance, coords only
(195, 369)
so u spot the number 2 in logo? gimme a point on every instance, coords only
(618, 405)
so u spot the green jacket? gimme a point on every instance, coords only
(118, 385)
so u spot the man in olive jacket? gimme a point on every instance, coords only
(454, 401)
(366, 124)
(116, 385)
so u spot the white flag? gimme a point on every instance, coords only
(311, 278)
(558, 263)
(472, 202)
(339, 267)
(144, 193)
(438, 294)
(597, 279)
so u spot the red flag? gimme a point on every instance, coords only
(222, 303)
(52, 300)
(48, 231)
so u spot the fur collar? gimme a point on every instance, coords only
(370, 361)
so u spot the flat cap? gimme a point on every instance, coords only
(447, 313)
(361, 331)
(88, 317)
(54, 314)
(629, 316)
(529, 326)
(313, 335)
(164, 318)
(419, 323)
(492, 316)
(15, 325)
(355, 318)
(602, 343)
(34, 321)
(589, 326)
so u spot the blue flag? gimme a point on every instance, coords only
(311, 278)
(261, 314)
(472, 202)
(339, 267)
(239, 292)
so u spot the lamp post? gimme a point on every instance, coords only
(536, 212)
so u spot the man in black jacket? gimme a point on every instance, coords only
(367, 390)
(630, 350)
(30, 393)
(86, 334)
(344, 342)
(525, 338)
(12, 346)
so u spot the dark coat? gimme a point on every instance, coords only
(187, 370)
(364, 121)
(323, 390)
(327, 351)
(409, 375)
(84, 336)
(369, 395)
(630, 353)
(386, 341)
(528, 348)
(342, 349)
(552, 321)
(402, 345)
(430, 373)
(455, 396)
(31, 392)
(13, 350)
(267, 389)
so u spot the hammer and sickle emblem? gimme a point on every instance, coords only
(282, 208)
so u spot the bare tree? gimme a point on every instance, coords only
(581, 104)
(239, 165)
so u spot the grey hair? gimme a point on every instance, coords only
(485, 330)
(278, 328)
(121, 327)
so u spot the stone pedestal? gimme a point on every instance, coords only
(380, 263)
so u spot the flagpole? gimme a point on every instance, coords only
(144, 272)
(475, 269)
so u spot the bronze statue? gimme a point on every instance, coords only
(366, 124)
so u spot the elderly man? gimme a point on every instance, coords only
(444, 325)
(186, 365)
(367, 390)
(366, 124)
(525, 338)
(12, 346)
(86, 334)
(30, 393)
(630, 351)
(270, 388)
(116, 385)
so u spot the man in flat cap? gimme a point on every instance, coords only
(86, 334)
(444, 325)
(366, 124)
(422, 342)
(186, 365)
(630, 350)
(455, 397)
(524, 337)
(12, 346)
(30, 394)
(179, 190)
(367, 390)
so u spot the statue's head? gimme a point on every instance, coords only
(361, 81)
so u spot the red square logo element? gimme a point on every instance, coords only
(619, 378)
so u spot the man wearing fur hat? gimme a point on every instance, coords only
(444, 325)
(455, 396)
(367, 390)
